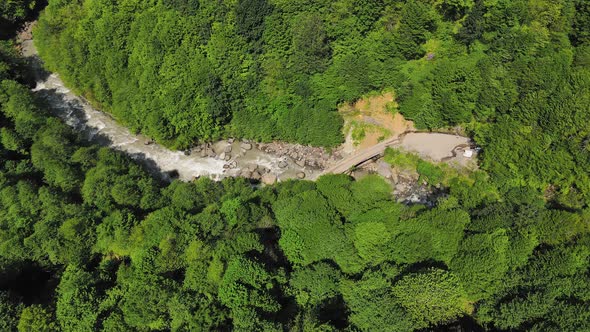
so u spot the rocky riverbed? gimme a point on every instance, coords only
(266, 162)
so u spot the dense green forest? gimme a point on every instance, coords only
(189, 70)
(91, 241)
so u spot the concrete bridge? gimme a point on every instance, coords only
(439, 147)
(362, 156)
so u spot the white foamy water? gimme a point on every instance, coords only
(102, 128)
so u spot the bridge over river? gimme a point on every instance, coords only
(103, 129)
(433, 146)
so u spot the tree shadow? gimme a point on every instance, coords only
(35, 71)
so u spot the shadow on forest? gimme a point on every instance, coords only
(29, 282)
(36, 71)
(8, 30)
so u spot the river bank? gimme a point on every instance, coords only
(264, 162)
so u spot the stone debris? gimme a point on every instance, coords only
(269, 178)
(302, 156)
(384, 169)
(256, 175)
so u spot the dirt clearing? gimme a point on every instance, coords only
(371, 120)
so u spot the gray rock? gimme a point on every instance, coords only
(204, 153)
(252, 167)
(269, 178)
(233, 164)
(384, 169)
(227, 156)
(246, 146)
(230, 140)
(301, 175)
(227, 149)
(187, 152)
(283, 164)
(256, 175)
(246, 173)
(300, 163)
(222, 156)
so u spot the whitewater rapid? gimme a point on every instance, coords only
(101, 128)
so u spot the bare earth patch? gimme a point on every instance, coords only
(371, 120)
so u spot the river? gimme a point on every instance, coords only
(222, 159)
(267, 162)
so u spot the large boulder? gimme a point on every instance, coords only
(256, 175)
(269, 178)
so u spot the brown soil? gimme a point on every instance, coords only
(378, 121)
(371, 138)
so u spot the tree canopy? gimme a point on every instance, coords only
(90, 240)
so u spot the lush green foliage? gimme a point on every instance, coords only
(15, 10)
(90, 241)
(243, 68)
